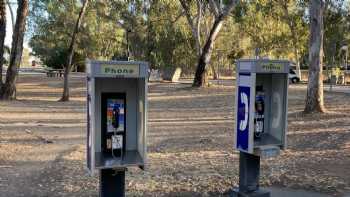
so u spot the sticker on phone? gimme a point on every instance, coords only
(117, 141)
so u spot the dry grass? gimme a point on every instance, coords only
(190, 143)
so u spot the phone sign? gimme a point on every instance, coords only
(243, 118)
(121, 70)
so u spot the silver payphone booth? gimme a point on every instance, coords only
(261, 117)
(117, 121)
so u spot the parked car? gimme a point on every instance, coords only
(293, 76)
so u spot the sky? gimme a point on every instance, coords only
(8, 38)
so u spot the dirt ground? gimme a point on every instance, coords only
(190, 140)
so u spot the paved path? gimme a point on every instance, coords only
(285, 192)
(338, 88)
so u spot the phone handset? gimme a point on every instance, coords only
(276, 102)
(243, 123)
(117, 140)
(115, 117)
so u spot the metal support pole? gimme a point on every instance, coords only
(112, 183)
(346, 60)
(249, 172)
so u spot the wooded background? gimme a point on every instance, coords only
(199, 36)
(158, 31)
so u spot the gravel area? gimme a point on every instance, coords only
(42, 143)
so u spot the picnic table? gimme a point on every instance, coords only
(54, 72)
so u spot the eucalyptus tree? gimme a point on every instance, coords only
(169, 41)
(50, 27)
(154, 31)
(336, 30)
(2, 36)
(8, 90)
(69, 58)
(293, 16)
(314, 98)
(219, 10)
(276, 29)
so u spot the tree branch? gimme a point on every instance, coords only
(195, 26)
(214, 7)
(229, 7)
(198, 24)
(187, 13)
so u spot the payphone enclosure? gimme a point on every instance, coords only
(261, 106)
(117, 114)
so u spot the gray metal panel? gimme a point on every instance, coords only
(276, 87)
(92, 123)
(94, 68)
(252, 112)
(141, 141)
(144, 69)
(279, 111)
(267, 140)
(145, 127)
(130, 158)
(286, 89)
(263, 66)
(236, 106)
(88, 67)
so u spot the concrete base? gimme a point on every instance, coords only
(258, 193)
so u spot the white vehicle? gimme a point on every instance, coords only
(293, 76)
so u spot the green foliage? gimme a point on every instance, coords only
(157, 31)
(266, 26)
(154, 33)
(98, 39)
(170, 41)
(336, 31)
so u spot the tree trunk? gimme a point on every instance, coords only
(215, 72)
(292, 27)
(204, 59)
(295, 46)
(194, 23)
(314, 98)
(2, 36)
(11, 13)
(65, 95)
(8, 91)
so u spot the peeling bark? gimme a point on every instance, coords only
(194, 22)
(314, 98)
(204, 59)
(11, 13)
(8, 91)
